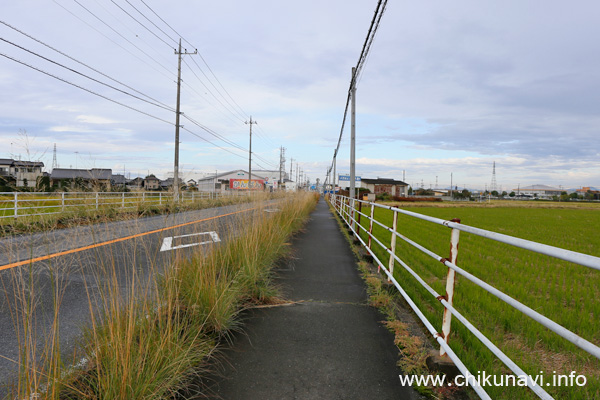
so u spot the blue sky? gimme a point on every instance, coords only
(449, 87)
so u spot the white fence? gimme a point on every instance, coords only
(350, 211)
(27, 204)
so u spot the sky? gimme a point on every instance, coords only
(448, 89)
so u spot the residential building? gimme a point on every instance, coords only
(385, 185)
(25, 173)
(95, 178)
(151, 182)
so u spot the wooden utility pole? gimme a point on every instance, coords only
(250, 153)
(177, 113)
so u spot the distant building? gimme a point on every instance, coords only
(95, 178)
(118, 181)
(151, 182)
(25, 173)
(384, 185)
(230, 180)
(135, 183)
(538, 191)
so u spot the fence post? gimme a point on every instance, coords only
(16, 201)
(62, 201)
(454, 236)
(123, 200)
(143, 197)
(371, 223)
(97, 200)
(393, 245)
(160, 198)
(358, 217)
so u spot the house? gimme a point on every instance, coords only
(25, 173)
(385, 185)
(135, 184)
(95, 178)
(231, 180)
(118, 181)
(151, 182)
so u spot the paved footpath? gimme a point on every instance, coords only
(329, 346)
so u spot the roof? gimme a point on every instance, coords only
(213, 177)
(94, 173)
(20, 163)
(118, 179)
(540, 188)
(384, 181)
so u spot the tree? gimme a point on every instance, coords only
(495, 193)
(574, 196)
(504, 194)
(512, 194)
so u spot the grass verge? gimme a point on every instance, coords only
(150, 341)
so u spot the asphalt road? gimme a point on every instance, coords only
(328, 345)
(80, 260)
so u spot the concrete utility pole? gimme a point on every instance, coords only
(250, 153)
(281, 165)
(177, 114)
(334, 167)
(353, 136)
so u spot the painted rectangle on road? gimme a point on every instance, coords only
(167, 243)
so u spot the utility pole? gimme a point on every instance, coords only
(54, 162)
(353, 135)
(177, 114)
(291, 168)
(334, 167)
(281, 165)
(250, 153)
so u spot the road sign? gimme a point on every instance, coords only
(347, 178)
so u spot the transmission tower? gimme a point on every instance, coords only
(54, 162)
(494, 185)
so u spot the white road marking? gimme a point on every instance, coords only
(167, 243)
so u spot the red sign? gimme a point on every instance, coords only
(242, 184)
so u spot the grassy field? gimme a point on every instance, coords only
(564, 292)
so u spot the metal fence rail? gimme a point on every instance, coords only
(28, 204)
(350, 210)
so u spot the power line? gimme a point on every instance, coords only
(84, 89)
(143, 26)
(149, 20)
(85, 65)
(84, 75)
(121, 35)
(379, 10)
(117, 43)
(243, 113)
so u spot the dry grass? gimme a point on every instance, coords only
(148, 338)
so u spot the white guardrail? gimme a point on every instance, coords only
(27, 204)
(350, 211)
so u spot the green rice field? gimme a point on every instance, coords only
(567, 293)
